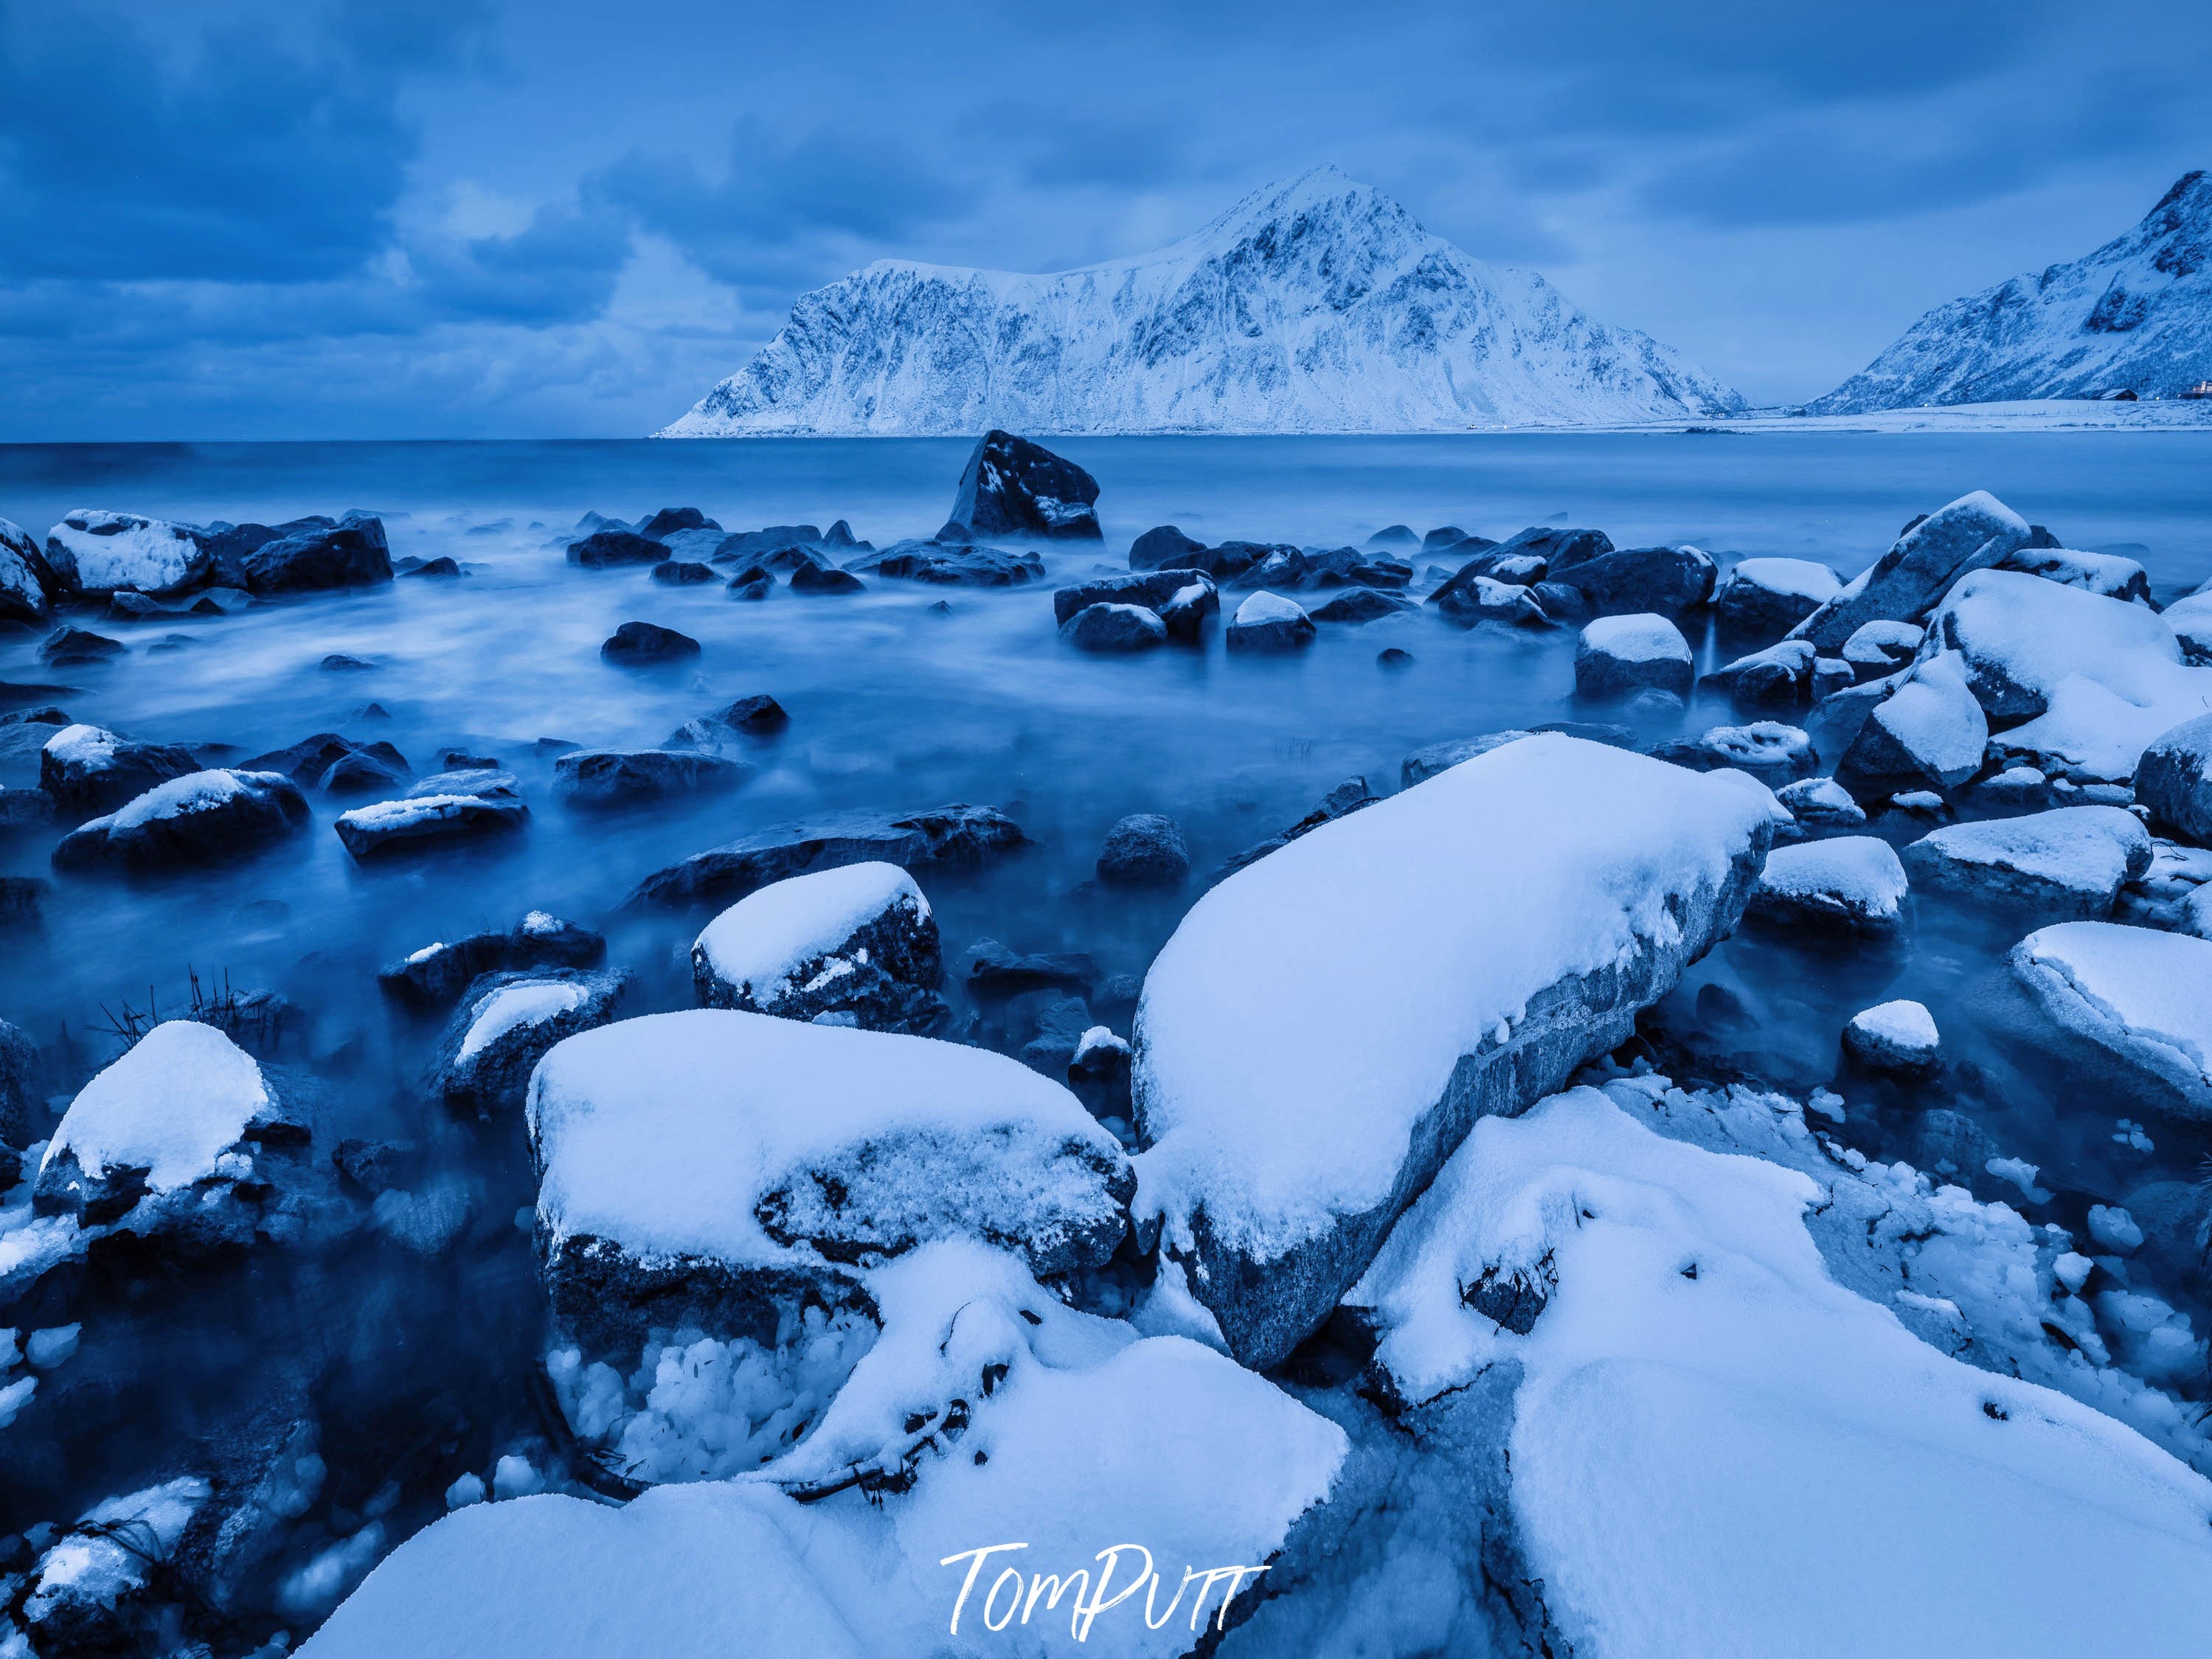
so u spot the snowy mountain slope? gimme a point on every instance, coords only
(1320, 305)
(2135, 315)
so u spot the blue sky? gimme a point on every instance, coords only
(232, 218)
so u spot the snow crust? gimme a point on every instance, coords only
(180, 1098)
(1806, 579)
(89, 747)
(761, 939)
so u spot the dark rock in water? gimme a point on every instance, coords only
(605, 548)
(1163, 546)
(204, 817)
(1782, 674)
(637, 643)
(545, 746)
(338, 661)
(1662, 581)
(622, 777)
(1396, 535)
(1187, 611)
(125, 605)
(459, 760)
(1561, 604)
(1443, 536)
(447, 807)
(506, 1023)
(839, 534)
(993, 973)
(1114, 628)
(1394, 657)
(1348, 796)
(308, 761)
(762, 544)
(1360, 605)
(756, 584)
(961, 567)
(672, 519)
(1425, 763)
(1952, 1146)
(434, 976)
(1268, 623)
(443, 565)
(2174, 779)
(939, 608)
(880, 972)
(46, 716)
(379, 1166)
(1774, 753)
(1115, 998)
(21, 896)
(23, 1104)
(1145, 849)
(351, 553)
(946, 836)
(375, 768)
(759, 714)
(88, 769)
(76, 645)
(816, 578)
(1098, 1073)
(1012, 487)
(1560, 549)
(676, 572)
(1150, 589)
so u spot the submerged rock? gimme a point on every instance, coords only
(202, 818)
(858, 940)
(954, 567)
(506, 1023)
(945, 835)
(351, 553)
(1012, 487)
(622, 777)
(1362, 604)
(1145, 849)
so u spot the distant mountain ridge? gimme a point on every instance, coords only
(1320, 305)
(2134, 316)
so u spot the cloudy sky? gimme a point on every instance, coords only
(236, 218)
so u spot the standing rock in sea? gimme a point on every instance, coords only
(507, 1022)
(1163, 547)
(639, 644)
(351, 553)
(202, 818)
(88, 768)
(1115, 628)
(1269, 623)
(1014, 487)
(429, 979)
(1145, 849)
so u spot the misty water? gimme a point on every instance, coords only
(420, 1365)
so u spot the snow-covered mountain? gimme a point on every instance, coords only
(1320, 305)
(2134, 316)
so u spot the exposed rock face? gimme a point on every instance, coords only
(643, 644)
(2174, 779)
(1114, 628)
(1971, 533)
(448, 807)
(1318, 305)
(27, 583)
(88, 768)
(913, 841)
(622, 777)
(1014, 488)
(351, 553)
(1150, 589)
(202, 818)
(2134, 316)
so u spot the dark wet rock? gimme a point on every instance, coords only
(1971, 533)
(447, 807)
(1361, 605)
(639, 644)
(352, 553)
(22, 897)
(840, 534)
(1150, 589)
(1659, 580)
(857, 944)
(338, 662)
(1425, 763)
(307, 762)
(676, 572)
(994, 973)
(1351, 796)
(76, 645)
(1267, 623)
(28, 586)
(88, 768)
(22, 1101)
(602, 549)
(1561, 604)
(1561, 549)
(1145, 849)
(755, 587)
(1394, 657)
(1779, 676)
(372, 1167)
(201, 818)
(125, 605)
(1396, 535)
(443, 565)
(461, 760)
(1189, 608)
(432, 977)
(374, 768)
(1012, 487)
(1444, 536)
(623, 777)
(760, 716)
(1230, 562)
(1617, 655)
(943, 836)
(2174, 779)
(954, 567)
(816, 578)
(1114, 628)
(1774, 753)
(506, 1023)
(670, 519)
(939, 608)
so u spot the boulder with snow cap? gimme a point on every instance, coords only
(1114, 629)
(2065, 865)
(2139, 1000)
(1617, 655)
(1765, 599)
(1898, 1038)
(1849, 884)
(88, 768)
(98, 552)
(440, 810)
(1877, 648)
(1973, 533)
(1774, 753)
(2174, 779)
(202, 818)
(1014, 487)
(98, 1587)
(943, 836)
(506, 1023)
(429, 979)
(1269, 623)
(859, 940)
(1821, 807)
(2108, 574)
(28, 584)
(2021, 639)
(1929, 734)
(1642, 580)
(1150, 589)
(1320, 1033)
(1780, 674)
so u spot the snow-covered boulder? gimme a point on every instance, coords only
(2141, 997)
(1012, 488)
(1114, 628)
(430, 978)
(2173, 779)
(1617, 655)
(202, 818)
(98, 552)
(1929, 734)
(444, 808)
(1774, 753)
(1821, 807)
(1320, 1032)
(1851, 883)
(2065, 865)
(88, 768)
(1971, 533)
(623, 777)
(716, 1168)
(1898, 1037)
(1269, 623)
(319, 555)
(1765, 599)
(945, 835)
(1150, 588)
(1710, 1445)
(167, 1131)
(1781, 673)
(505, 1025)
(1145, 849)
(28, 583)
(858, 940)
(1877, 648)
(2108, 574)
(1641, 581)
(1470, 598)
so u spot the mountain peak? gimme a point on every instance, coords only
(1321, 191)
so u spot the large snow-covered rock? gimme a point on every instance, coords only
(1971, 533)
(98, 552)
(1318, 305)
(28, 583)
(2066, 864)
(1326, 1024)
(1616, 656)
(714, 1166)
(1850, 882)
(858, 940)
(88, 768)
(508, 1022)
(953, 835)
(1929, 734)
(1714, 1447)
(2173, 779)
(202, 818)
(2111, 574)
(2134, 316)
(1767, 597)
(1014, 487)
(2142, 998)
